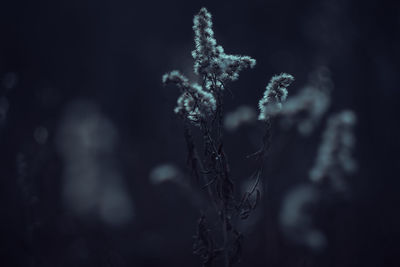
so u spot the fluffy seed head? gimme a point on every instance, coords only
(195, 104)
(177, 78)
(210, 57)
(275, 93)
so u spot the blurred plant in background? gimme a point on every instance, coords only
(93, 185)
(241, 116)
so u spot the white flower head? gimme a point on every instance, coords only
(210, 57)
(205, 43)
(214, 67)
(231, 65)
(195, 104)
(176, 78)
(275, 93)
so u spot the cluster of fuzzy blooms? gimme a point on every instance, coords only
(275, 94)
(213, 65)
(194, 103)
(334, 156)
(209, 58)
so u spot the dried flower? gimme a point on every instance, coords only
(275, 93)
(195, 103)
(176, 78)
(209, 58)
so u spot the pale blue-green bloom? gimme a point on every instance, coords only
(275, 93)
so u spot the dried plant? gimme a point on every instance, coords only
(201, 107)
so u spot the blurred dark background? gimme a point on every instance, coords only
(84, 120)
